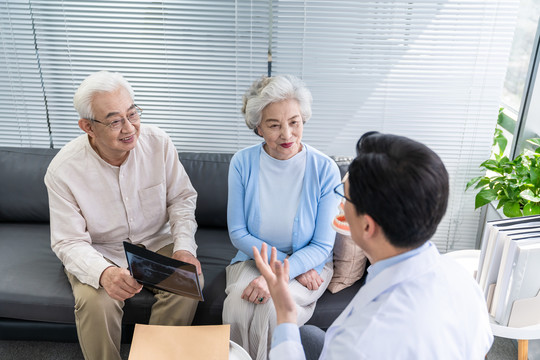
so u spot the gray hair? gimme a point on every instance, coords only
(267, 90)
(101, 81)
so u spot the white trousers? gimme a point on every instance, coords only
(252, 324)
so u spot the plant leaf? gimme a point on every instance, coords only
(492, 165)
(535, 176)
(534, 141)
(483, 182)
(501, 142)
(484, 196)
(472, 182)
(512, 209)
(529, 195)
(531, 209)
(506, 122)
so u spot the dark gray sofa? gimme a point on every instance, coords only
(36, 302)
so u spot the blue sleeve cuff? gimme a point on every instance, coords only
(285, 332)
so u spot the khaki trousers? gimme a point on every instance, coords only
(99, 317)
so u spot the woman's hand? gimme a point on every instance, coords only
(310, 279)
(277, 277)
(257, 291)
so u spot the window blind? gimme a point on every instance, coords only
(189, 62)
(23, 116)
(432, 71)
(428, 70)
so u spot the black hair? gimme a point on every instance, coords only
(401, 184)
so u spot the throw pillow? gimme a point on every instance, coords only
(349, 263)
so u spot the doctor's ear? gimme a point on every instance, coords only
(370, 226)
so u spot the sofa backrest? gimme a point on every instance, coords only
(209, 173)
(23, 195)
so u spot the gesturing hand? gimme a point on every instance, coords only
(118, 283)
(310, 279)
(277, 279)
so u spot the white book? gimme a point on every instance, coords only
(524, 278)
(488, 236)
(510, 241)
(495, 247)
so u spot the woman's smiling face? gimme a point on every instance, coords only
(281, 127)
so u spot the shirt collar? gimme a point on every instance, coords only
(378, 267)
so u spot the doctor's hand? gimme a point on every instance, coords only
(276, 275)
(186, 256)
(257, 291)
(119, 283)
(310, 279)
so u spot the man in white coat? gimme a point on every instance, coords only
(415, 303)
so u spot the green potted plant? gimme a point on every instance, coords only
(514, 184)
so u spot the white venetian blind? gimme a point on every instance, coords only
(429, 70)
(23, 117)
(189, 62)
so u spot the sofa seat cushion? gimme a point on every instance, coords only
(34, 285)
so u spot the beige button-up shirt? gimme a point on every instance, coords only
(95, 206)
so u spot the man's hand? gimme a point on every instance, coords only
(310, 279)
(277, 278)
(186, 256)
(118, 283)
(257, 290)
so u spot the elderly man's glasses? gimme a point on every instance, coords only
(133, 116)
(340, 191)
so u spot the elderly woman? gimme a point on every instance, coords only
(281, 194)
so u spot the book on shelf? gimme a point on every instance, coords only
(512, 244)
(524, 281)
(509, 263)
(490, 235)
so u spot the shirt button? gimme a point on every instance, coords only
(127, 198)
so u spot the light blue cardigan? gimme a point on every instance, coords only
(313, 236)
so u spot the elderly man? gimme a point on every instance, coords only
(120, 181)
(415, 304)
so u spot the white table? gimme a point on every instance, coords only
(522, 335)
(236, 352)
(469, 259)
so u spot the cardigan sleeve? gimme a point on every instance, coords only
(241, 195)
(320, 207)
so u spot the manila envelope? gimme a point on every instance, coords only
(180, 342)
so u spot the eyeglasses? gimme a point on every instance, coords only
(340, 191)
(133, 116)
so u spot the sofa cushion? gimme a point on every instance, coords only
(22, 191)
(349, 263)
(208, 173)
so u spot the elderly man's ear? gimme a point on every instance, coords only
(86, 126)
